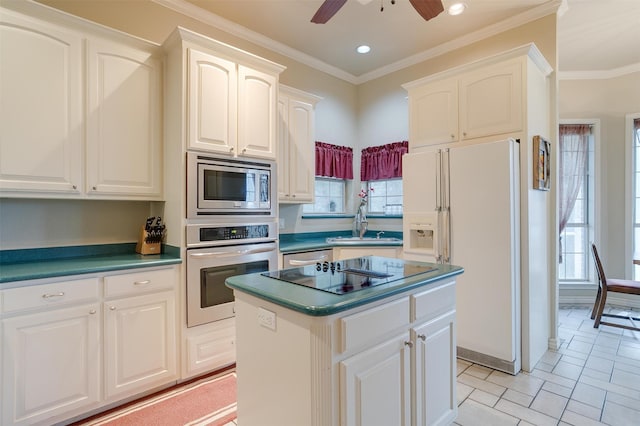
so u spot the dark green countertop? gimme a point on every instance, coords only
(316, 302)
(291, 243)
(29, 264)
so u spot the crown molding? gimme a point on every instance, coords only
(220, 23)
(600, 74)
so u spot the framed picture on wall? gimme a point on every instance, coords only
(541, 163)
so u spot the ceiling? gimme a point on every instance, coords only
(593, 35)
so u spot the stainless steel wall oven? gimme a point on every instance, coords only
(217, 251)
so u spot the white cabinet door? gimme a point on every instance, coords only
(433, 113)
(40, 108)
(51, 364)
(257, 108)
(375, 385)
(140, 343)
(435, 375)
(124, 144)
(212, 103)
(284, 139)
(491, 101)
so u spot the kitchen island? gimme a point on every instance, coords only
(382, 352)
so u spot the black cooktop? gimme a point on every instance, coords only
(346, 276)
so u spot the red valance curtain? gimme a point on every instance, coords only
(383, 162)
(334, 161)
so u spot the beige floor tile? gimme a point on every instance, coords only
(579, 346)
(596, 374)
(610, 387)
(549, 403)
(558, 380)
(631, 368)
(622, 400)
(589, 395)
(573, 360)
(518, 397)
(626, 379)
(584, 409)
(462, 392)
(478, 371)
(599, 364)
(551, 357)
(462, 365)
(526, 414)
(557, 389)
(619, 415)
(472, 413)
(523, 382)
(576, 419)
(570, 371)
(575, 354)
(481, 384)
(484, 397)
(629, 352)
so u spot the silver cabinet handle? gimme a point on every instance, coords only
(50, 295)
(295, 262)
(410, 344)
(142, 282)
(231, 253)
(112, 308)
(422, 337)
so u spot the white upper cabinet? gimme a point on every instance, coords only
(296, 146)
(124, 145)
(486, 99)
(80, 109)
(231, 97)
(212, 97)
(41, 131)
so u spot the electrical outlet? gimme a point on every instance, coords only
(267, 318)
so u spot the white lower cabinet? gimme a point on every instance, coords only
(140, 343)
(341, 253)
(51, 364)
(69, 348)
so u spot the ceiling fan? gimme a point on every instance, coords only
(426, 8)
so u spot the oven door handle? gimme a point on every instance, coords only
(231, 253)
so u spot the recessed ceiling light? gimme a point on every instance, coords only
(456, 8)
(363, 49)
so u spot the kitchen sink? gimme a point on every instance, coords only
(355, 241)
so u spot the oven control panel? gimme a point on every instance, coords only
(224, 234)
(242, 232)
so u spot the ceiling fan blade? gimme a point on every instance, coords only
(327, 10)
(428, 8)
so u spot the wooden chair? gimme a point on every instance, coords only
(611, 285)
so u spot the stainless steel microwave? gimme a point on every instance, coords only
(225, 186)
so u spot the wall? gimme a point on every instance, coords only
(608, 100)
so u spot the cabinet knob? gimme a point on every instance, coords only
(244, 150)
(410, 344)
(112, 308)
(422, 337)
(74, 186)
(231, 149)
(453, 136)
(92, 312)
(94, 188)
(464, 133)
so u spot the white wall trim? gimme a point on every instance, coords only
(599, 74)
(628, 150)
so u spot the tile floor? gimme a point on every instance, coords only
(593, 379)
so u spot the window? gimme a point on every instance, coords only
(385, 196)
(577, 202)
(329, 197)
(633, 192)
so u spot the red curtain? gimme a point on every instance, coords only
(383, 162)
(334, 161)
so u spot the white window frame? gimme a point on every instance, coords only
(345, 205)
(597, 181)
(629, 192)
(365, 187)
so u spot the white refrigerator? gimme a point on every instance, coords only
(461, 206)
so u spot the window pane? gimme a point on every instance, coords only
(385, 197)
(329, 197)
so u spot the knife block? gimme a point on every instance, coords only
(145, 247)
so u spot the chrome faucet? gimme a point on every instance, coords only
(361, 220)
(378, 234)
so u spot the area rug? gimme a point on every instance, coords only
(210, 402)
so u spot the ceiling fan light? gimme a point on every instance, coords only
(363, 49)
(456, 9)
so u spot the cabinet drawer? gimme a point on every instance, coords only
(363, 327)
(433, 302)
(47, 295)
(138, 282)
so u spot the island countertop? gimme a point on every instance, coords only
(315, 302)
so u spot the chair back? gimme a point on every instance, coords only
(599, 268)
